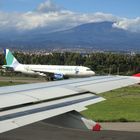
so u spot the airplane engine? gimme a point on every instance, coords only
(58, 76)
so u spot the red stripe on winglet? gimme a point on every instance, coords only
(96, 127)
(137, 75)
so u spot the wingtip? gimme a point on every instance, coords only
(136, 75)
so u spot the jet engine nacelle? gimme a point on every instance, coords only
(58, 76)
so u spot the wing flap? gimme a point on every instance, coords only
(14, 100)
(32, 96)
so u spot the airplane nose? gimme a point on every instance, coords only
(92, 73)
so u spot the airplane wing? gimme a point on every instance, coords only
(48, 73)
(59, 101)
(43, 71)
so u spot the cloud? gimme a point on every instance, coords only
(128, 24)
(51, 17)
(59, 19)
(48, 6)
(8, 21)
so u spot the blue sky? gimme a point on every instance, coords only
(54, 15)
(122, 8)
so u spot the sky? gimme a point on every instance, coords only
(122, 8)
(54, 15)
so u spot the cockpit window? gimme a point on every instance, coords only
(88, 69)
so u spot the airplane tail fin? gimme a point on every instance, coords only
(11, 61)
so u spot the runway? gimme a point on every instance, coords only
(43, 131)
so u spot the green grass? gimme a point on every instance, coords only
(9, 83)
(122, 105)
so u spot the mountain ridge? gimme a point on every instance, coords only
(100, 35)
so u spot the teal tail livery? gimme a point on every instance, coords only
(11, 61)
(49, 71)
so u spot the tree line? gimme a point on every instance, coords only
(101, 63)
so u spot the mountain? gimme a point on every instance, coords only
(101, 36)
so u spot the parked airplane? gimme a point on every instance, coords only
(57, 102)
(51, 71)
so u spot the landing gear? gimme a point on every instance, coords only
(49, 78)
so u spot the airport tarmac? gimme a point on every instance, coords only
(43, 131)
(118, 126)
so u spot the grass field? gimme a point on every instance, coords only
(122, 105)
(9, 83)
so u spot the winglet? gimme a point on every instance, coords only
(96, 127)
(137, 75)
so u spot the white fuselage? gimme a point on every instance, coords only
(70, 71)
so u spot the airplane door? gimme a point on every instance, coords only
(76, 70)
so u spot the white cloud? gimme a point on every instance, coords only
(51, 17)
(59, 20)
(8, 20)
(129, 24)
(48, 6)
